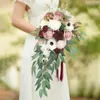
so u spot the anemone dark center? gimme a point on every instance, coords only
(68, 24)
(51, 43)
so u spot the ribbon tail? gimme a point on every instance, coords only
(61, 71)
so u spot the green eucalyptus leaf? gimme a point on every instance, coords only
(51, 61)
(81, 38)
(46, 78)
(82, 33)
(40, 93)
(40, 58)
(70, 42)
(38, 62)
(38, 48)
(39, 80)
(32, 68)
(62, 52)
(74, 51)
(35, 56)
(48, 75)
(62, 58)
(52, 55)
(58, 62)
(53, 67)
(62, 27)
(43, 84)
(41, 66)
(49, 67)
(39, 73)
(38, 86)
(47, 84)
(67, 48)
(45, 92)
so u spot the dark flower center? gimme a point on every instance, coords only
(68, 24)
(43, 60)
(51, 43)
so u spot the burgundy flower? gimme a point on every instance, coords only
(58, 35)
(41, 34)
(57, 50)
(45, 28)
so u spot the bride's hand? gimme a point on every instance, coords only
(35, 32)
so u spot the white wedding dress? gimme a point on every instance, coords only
(59, 89)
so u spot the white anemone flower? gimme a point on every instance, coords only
(52, 44)
(46, 53)
(54, 24)
(43, 23)
(44, 47)
(69, 26)
(45, 59)
(45, 50)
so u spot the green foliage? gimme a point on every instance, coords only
(74, 51)
(40, 67)
(34, 68)
(19, 42)
(62, 58)
(58, 62)
(91, 46)
(4, 85)
(40, 92)
(62, 27)
(6, 62)
(39, 73)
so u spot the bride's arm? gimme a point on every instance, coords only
(18, 18)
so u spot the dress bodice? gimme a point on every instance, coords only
(39, 8)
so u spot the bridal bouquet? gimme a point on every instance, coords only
(59, 32)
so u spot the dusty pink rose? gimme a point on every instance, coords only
(61, 44)
(68, 35)
(57, 15)
(48, 34)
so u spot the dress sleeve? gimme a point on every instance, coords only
(27, 2)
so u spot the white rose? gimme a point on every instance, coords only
(61, 44)
(43, 23)
(54, 24)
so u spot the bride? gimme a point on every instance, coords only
(36, 9)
